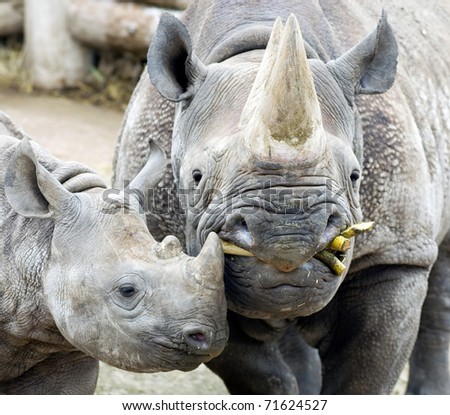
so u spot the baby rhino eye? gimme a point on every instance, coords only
(354, 177)
(127, 290)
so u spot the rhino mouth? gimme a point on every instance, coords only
(163, 359)
(256, 289)
(334, 256)
(195, 344)
(173, 354)
(333, 259)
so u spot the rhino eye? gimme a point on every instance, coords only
(197, 176)
(127, 290)
(354, 177)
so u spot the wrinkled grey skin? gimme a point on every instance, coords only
(396, 292)
(82, 279)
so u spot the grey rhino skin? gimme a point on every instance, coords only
(82, 279)
(247, 141)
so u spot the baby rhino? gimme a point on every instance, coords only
(82, 279)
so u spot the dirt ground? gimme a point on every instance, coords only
(87, 134)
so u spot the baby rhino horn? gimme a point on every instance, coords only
(209, 263)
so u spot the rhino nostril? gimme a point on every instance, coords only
(243, 233)
(236, 230)
(243, 225)
(334, 220)
(198, 337)
(197, 342)
(332, 228)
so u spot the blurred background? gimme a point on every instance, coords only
(91, 50)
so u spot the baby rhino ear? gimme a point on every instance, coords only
(371, 65)
(30, 188)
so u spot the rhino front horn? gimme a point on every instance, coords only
(210, 261)
(282, 112)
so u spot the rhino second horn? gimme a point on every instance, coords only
(169, 247)
(282, 111)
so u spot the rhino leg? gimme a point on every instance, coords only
(252, 367)
(376, 320)
(303, 360)
(71, 373)
(429, 362)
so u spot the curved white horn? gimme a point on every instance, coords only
(282, 111)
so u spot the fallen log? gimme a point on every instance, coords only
(170, 4)
(122, 26)
(54, 59)
(11, 19)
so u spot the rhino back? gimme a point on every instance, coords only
(217, 26)
(24, 254)
(25, 247)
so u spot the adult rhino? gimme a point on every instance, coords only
(82, 279)
(281, 144)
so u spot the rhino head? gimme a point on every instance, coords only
(267, 146)
(112, 290)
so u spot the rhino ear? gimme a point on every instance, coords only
(153, 170)
(173, 67)
(30, 188)
(370, 66)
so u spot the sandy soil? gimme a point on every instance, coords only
(87, 134)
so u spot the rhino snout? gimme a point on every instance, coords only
(203, 342)
(284, 241)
